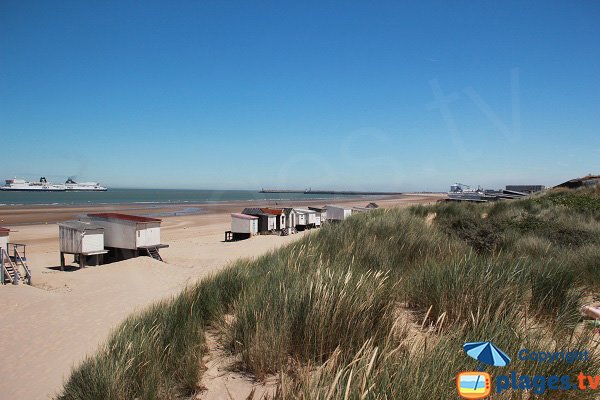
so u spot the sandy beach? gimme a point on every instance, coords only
(50, 327)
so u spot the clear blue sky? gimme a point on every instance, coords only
(345, 95)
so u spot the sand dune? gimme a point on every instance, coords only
(49, 328)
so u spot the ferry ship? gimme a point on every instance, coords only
(25, 186)
(72, 186)
(43, 186)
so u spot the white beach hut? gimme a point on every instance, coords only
(337, 213)
(280, 224)
(291, 220)
(243, 226)
(306, 218)
(84, 240)
(267, 222)
(129, 236)
(321, 215)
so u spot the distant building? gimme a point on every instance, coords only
(526, 188)
(590, 180)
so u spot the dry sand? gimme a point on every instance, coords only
(49, 328)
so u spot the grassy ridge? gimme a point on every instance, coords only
(375, 307)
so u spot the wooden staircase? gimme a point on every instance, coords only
(11, 268)
(153, 253)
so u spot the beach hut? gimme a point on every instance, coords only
(4, 234)
(84, 240)
(357, 210)
(243, 226)
(338, 213)
(128, 236)
(291, 220)
(307, 218)
(280, 224)
(321, 214)
(267, 223)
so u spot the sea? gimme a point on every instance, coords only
(154, 197)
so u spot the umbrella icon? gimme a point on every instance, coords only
(486, 353)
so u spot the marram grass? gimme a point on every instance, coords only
(376, 307)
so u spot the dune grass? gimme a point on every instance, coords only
(376, 307)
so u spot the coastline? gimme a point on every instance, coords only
(17, 215)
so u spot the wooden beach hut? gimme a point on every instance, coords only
(307, 219)
(127, 236)
(84, 240)
(291, 220)
(243, 226)
(337, 213)
(267, 223)
(280, 223)
(321, 214)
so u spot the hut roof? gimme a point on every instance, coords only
(80, 225)
(372, 205)
(4, 230)
(336, 206)
(124, 217)
(252, 211)
(243, 216)
(305, 211)
(273, 211)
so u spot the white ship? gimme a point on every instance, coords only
(73, 186)
(43, 186)
(25, 186)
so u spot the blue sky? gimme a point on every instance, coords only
(343, 95)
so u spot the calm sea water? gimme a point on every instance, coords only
(150, 197)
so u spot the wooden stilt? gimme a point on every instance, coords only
(62, 261)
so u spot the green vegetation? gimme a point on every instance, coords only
(376, 307)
